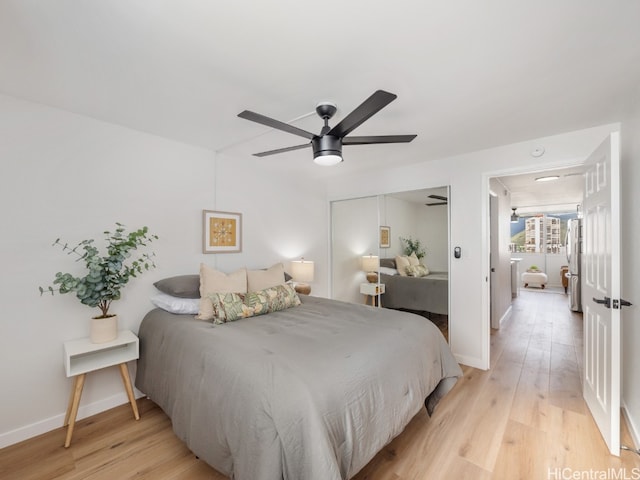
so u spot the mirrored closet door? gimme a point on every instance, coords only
(382, 226)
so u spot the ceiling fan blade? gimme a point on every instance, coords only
(435, 204)
(438, 197)
(281, 150)
(366, 110)
(378, 139)
(277, 124)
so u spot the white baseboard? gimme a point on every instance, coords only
(506, 314)
(632, 426)
(504, 317)
(48, 424)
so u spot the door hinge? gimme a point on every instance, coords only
(621, 303)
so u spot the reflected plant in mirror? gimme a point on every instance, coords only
(409, 246)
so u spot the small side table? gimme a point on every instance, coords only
(372, 290)
(81, 357)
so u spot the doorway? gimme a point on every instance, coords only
(529, 233)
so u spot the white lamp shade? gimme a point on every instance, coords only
(370, 263)
(302, 270)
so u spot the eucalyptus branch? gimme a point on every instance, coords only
(107, 274)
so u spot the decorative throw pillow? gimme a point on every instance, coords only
(417, 271)
(232, 306)
(214, 281)
(413, 259)
(402, 262)
(227, 307)
(261, 279)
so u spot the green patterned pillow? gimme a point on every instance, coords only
(228, 307)
(417, 270)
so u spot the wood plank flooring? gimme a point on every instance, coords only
(523, 419)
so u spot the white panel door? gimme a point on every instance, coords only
(601, 289)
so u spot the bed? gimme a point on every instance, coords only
(310, 392)
(428, 293)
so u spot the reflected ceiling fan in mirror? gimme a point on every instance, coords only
(327, 145)
(443, 201)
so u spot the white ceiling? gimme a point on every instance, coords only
(421, 197)
(468, 74)
(531, 196)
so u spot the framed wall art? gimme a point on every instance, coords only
(222, 232)
(385, 237)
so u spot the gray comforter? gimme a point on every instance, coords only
(312, 392)
(426, 294)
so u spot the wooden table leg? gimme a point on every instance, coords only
(72, 396)
(124, 371)
(72, 409)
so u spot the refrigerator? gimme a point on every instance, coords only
(574, 253)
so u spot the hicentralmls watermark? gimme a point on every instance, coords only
(567, 473)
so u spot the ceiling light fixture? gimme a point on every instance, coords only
(548, 178)
(514, 216)
(327, 160)
(327, 149)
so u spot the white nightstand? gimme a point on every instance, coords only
(81, 357)
(372, 290)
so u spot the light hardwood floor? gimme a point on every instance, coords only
(523, 419)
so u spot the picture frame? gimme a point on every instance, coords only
(385, 237)
(221, 232)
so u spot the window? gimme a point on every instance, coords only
(540, 233)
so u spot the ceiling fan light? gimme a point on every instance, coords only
(327, 160)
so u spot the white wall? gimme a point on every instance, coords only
(468, 177)
(400, 216)
(433, 230)
(354, 228)
(65, 175)
(284, 217)
(630, 213)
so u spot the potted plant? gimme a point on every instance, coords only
(106, 275)
(410, 246)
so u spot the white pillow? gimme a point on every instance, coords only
(177, 305)
(413, 259)
(388, 271)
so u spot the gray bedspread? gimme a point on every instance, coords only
(312, 392)
(426, 294)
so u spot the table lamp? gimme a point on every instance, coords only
(302, 272)
(371, 264)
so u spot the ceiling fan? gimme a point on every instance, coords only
(443, 200)
(327, 146)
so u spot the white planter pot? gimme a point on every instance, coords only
(104, 329)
